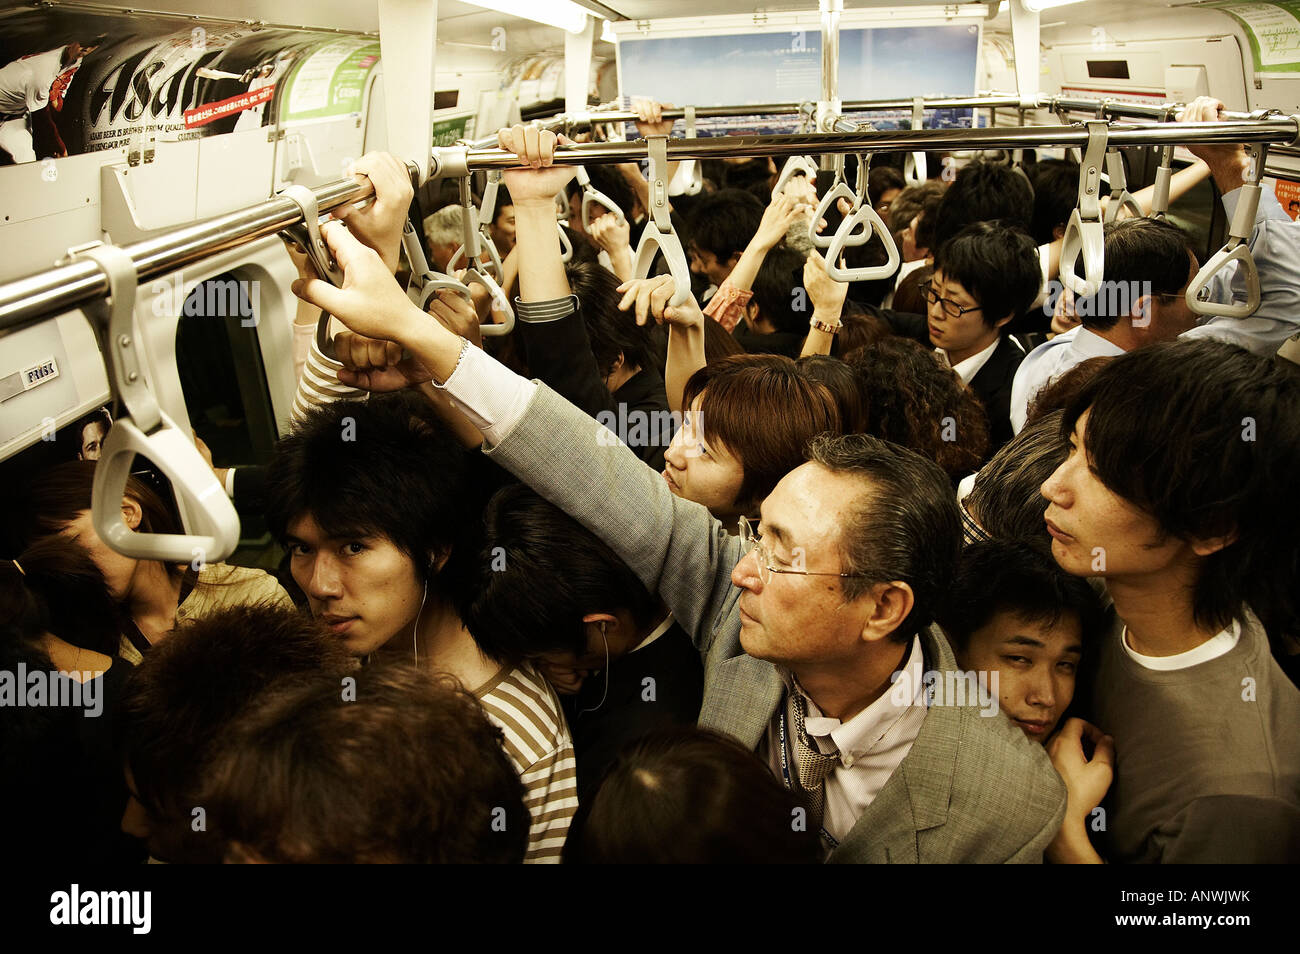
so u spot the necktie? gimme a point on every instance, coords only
(810, 764)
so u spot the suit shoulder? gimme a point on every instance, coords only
(1001, 771)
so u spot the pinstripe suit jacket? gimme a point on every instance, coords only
(972, 788)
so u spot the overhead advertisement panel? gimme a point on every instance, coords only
(1274, 32)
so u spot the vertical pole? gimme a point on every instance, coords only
(577, 67)
(828, 107)
(1025, 48)
(408, 39)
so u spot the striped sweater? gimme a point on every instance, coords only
(537, 739)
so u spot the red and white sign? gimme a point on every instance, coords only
(210, 112)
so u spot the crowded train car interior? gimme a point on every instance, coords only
(650, 431)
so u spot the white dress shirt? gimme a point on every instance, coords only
(967, 368)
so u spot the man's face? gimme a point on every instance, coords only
(964, 335)
(704, 262)
(697, 468)
(794, 619)
(1036, 663)
(366, 590)
(503, 229)
(1169, 315)
(567, 671)
(92, 440)
(885, 201)
(910, 252)
(1095, 532)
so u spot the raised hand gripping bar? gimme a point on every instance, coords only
(1120, 197)
(659, 234)
(856, 229)
(1236, 249)
(1085, 232)
(145, 429)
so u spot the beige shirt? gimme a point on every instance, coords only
(219, 586)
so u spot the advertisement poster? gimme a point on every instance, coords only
(84, 82)
(1288, 194)
(1274, 32)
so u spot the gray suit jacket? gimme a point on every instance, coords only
(972, 788)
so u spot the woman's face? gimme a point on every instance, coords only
(702, 470)
(118, 570)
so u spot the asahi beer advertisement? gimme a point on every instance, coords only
(78, 82)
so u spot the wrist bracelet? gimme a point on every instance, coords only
(825, 326)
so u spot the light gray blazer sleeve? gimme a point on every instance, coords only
(675, 546)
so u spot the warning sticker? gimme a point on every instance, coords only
(211, 112)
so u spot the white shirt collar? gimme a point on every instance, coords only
(658, 631)
(1214, 647)
(970, 367)
(868, 732)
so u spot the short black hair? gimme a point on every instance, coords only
(997, 263)
(405, 769)
(1205, 437)
(845, 383)
(503, 200)
(1007, 576)
(984, 191)
(386, 467)
(536, 573)
(882, 179)
(724, 223)
(690, 796)
(1007, 500)
(1143, 256)
(905, 527)
(180, 700)
(611, 332)
(1056, 193)
(774, 290)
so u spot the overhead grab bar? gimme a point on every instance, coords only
(658, 234)
(1120, 197)
(914, 166)
(145, 429)
(848, 234)
(1085, 232)
(1236, 249)
(696, 182)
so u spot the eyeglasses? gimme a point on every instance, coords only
(754, 544)
(950, 308)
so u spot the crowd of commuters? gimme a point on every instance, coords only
(945, 567)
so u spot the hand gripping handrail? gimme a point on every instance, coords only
(593, 196)
(1237, 249)
(848, 234)
(1120, 197)
(793, 166)
(839, 190)
(1085, 232)
(475, 273)
(696, 183)
(914, 166)
(145, 429)
(659, 234)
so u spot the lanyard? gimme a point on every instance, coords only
(785, 775)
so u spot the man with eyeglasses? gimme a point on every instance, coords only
(802, 643)
(984, 276)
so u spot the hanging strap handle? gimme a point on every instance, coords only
(839, 190)
(1237, 249)
(593, 196)
(659, 234)
(794, 166)
(1164, 174)
(484, 218)
(696, 183)
(475, 274)
(914, 166)
(145, 429)
(857, 229)
(1120, 197)
(1085, 232)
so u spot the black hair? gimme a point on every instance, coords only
(725, 222)
(882, 179)
(690, 796)
(387, 467)
(503, 200)
(612, 332)
(845, 384)
(774, 289)
(1007, 576)
(1056, 193)
(536, 573)
(997, 264)
(1205, 437)
(905, 527)
(1143, 257)
(981, 192)
(1007, 500)
(54, 587)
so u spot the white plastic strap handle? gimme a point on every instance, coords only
(566, 246)
(593, 196)
(696, 182)
(914, 166)
(795, 165)
(1237, 249)
(145, 429)
(839, 190)
(659, 234)
(1085, 232)
(1164, 173)
(857, 229)
(1120, 197)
